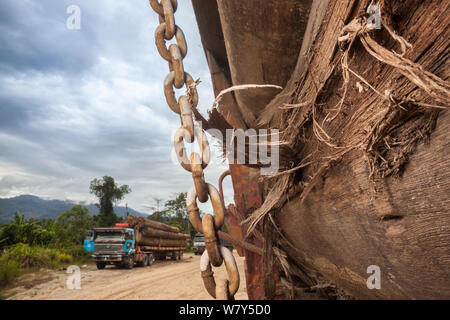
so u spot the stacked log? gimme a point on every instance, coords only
(188, 240)
(153, 233)
(133, 221)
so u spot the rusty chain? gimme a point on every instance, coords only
(215, 254)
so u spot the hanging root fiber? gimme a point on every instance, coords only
(331, 114)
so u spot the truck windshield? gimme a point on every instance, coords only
(199, 239)
(110, 236)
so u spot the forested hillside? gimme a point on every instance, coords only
(34, 207)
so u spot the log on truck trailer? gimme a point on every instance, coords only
(143, 240)
(153, 233)
(141, 223)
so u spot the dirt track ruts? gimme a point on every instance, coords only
(165, 280)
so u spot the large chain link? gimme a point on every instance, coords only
(215, 254)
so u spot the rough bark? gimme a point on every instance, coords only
(144, 240)
(261, 43)
(153, 233)
(383, 200)
(370, 181)
(144, 223)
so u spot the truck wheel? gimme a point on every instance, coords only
(101, 265)
(130, 263)
(145, 262)
(174, 255)
(151, 259)
(180, 255)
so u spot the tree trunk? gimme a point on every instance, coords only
(144, 223)
(370, 181)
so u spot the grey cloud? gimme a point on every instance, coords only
(34, 37)
(80, 104)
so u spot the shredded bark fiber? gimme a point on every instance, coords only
(357, 95)
(387, 143)
(297, 283)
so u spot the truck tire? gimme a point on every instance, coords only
(144, 263)
(174, 255)
(129, 264)
(151, 259)
(101, 265)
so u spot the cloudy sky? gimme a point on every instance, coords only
(80, 104)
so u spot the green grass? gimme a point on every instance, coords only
(21, 257)
(34, 256)
(8, 271)
(79, 255)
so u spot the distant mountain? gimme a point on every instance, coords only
(32, 206)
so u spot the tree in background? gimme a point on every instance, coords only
(157, 214)
(175, 214)
(24, 231)
(158, 202)
(109, 194)
(71, 225)
(176, 208)
(160, 216)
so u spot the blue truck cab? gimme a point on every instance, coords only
(117, 246)
(88, 243)
(114, 245)
(130, 240)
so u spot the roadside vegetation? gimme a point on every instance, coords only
(31, 244)
(35, 244)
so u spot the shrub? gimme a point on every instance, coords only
(8, 271)
(71, 225)
(25, 231)
(64, 258)
(78, 253)
(29, 257)
(24, 256)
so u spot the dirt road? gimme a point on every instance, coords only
(169, 280)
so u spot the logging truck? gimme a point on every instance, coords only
(128, 245)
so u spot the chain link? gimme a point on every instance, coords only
(218, 291)
(161, 42)
(215, 254)
(170, 94)
(184, 133)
